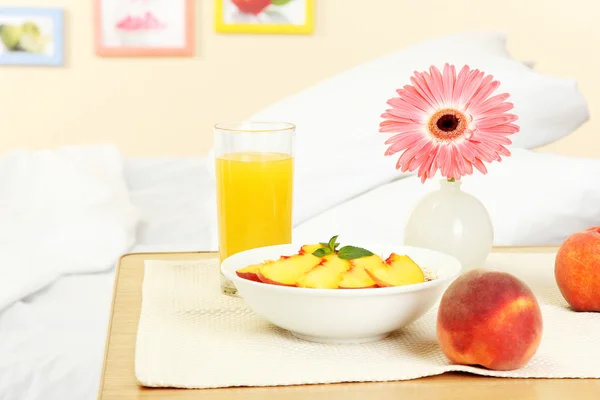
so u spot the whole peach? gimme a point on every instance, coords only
(491, 319)
(577, 270)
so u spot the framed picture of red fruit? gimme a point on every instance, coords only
(264, 16)
(129, 28)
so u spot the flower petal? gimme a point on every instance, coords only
(405, 134)
(506, 129)
(410, 94)
(420, 86)
(473, 83)
(490, 103)
(425, 150)
(498, 139)
(415, 163)
(449, 78)
(398, 116)
(460, 83)
(487, 87)
(498, 110)
(441, 159)
(436, 85)
(426, 165)
(466, 150)
(495, 121)
(402, 141)
(402, 126)
(401, 104)
(469, 165)
(390, 127)
(480, 166)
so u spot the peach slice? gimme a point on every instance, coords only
(309, 248)
(287, 270)
(326, 275)
(357, 277)
(398, 270)
(250, 272)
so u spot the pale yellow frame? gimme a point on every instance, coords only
(307, 28)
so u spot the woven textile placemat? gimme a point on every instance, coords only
(192, 336)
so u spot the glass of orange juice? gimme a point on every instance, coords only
(254, 174)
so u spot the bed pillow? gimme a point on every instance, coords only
(337, 120)
(348, 105)
(533, 199)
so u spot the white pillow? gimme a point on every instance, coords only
(533, 198)
(339, 152)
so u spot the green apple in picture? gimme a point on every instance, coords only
(33, 44)
(31, 40)
(30, 28)
(10, 36)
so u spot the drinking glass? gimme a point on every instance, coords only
(254, 174)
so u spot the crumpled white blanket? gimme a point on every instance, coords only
(63, 211)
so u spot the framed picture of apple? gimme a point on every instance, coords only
(130, 28)
(31, 36)
(264, 16)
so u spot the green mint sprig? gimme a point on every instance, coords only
(346, 252)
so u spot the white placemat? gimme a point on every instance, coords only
(191, 336)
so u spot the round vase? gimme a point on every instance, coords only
(453, 222)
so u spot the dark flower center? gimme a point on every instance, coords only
(447, 123)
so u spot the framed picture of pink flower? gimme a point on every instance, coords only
(265, 16)
(138, 28)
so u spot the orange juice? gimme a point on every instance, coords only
(254, 194)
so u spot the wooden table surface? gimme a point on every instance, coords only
(118, 380)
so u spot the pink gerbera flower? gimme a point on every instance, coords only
(448, 123)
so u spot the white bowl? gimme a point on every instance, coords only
(342, 315)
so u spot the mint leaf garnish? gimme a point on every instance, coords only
(346, 252)
(331, 243)
(351, 252)
(322, 252)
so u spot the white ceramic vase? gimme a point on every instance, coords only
(453, 222)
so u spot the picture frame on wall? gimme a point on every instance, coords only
(265, 16)
(31, 36)
(144, 28)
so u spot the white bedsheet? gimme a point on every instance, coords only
(52, 342)
(172, 195)
(63, 212)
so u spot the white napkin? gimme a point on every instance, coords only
(191, 336)
(62, 212)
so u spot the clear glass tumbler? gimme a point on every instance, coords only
(255, 175)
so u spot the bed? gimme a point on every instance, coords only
(52, 329)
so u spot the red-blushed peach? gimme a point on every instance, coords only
(577, 270)
(250, 272)
(491, 319)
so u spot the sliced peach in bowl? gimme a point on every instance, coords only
(398, 270)
(326, 275)
(250, 272)
(357, 277)
(286, 271)
(331, 315)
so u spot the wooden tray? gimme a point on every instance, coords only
(118, 379)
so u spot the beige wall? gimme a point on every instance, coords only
(167, 106)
